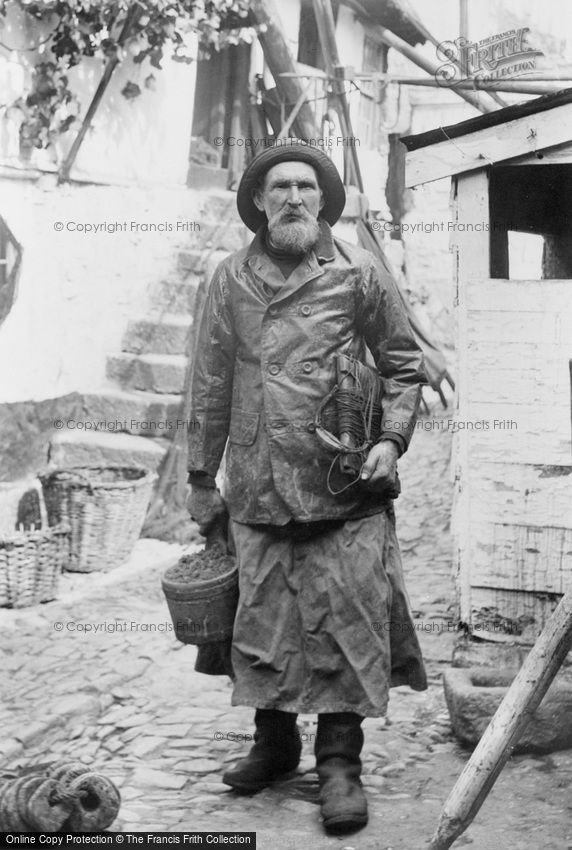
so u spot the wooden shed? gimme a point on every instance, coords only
(511, 239)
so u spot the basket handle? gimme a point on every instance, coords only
(71, 472)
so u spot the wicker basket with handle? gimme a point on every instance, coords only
(31, 563)
(104, 506)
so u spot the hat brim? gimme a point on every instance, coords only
(328, 177)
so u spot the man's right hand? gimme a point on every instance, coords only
(205, 505)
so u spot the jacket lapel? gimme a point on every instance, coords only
(307, 270)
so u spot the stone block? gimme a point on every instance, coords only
(141, 413)
(189, 261)
(473, 695)
(168, 334)
(216, 205)
(206, 177)
(73, 448)
(156, 373)
(176, 296)
(26, 428)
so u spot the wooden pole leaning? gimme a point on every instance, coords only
(504, 730)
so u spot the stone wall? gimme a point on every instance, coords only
(143, 140)
(428, 261)
(78, 289)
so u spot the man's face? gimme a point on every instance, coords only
(292, 199)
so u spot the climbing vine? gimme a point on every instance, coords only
(118, 31)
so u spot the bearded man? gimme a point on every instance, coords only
(323, 623)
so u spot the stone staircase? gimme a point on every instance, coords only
(142, 403)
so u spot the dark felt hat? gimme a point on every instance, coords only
(291, 150)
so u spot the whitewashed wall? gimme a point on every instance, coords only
(78, 290)
(141, 141)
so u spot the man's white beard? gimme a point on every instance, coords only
(293, 235)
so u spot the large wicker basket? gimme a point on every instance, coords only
(31, 563)
(105, 508)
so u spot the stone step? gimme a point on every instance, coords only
(156, 373)
(203, 177)
(167, 334)
(176, 295)
(226, 234)
(216, 203)
(140, 413)
(74, 448)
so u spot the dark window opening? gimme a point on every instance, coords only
(530, 222)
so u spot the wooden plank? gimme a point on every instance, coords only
(517, 343)
(469, 203)
(535, 438)
(472, 207)
(560, 155)
(534, 494)
(517, 325)
(509, 615)
(535, 386)
(526, 135)
(517, 296)
(239, 109)
(521, 557)
(538, 356)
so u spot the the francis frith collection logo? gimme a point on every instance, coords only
(497, 57)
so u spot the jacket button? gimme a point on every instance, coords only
(274, 369)
(305, 309)
(307, 367)
(273, 310)
(311, 427)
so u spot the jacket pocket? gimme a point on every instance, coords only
(243, 427)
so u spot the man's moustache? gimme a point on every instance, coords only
(295, 216)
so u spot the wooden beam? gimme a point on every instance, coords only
(560, 155)
(470, 247)
(240, 106)
(464, 19)
(279, 59)
(327, 35)
(285, 129)
(510, 86)
(527, 135)
(471, 225)
(428, 65)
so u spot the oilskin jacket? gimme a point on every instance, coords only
(265, 359)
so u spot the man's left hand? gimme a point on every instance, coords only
(380, 469)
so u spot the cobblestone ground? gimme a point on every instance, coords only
(125, 699)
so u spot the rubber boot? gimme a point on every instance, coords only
(276, 751)
(338, 746)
